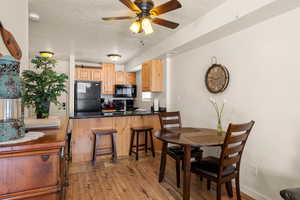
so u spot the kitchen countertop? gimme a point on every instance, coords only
(110, 114)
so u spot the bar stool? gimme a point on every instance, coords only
(103, 151)
(135, 132)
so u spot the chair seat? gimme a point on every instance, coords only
(210, 167)
(143, 128)
(291, 194)
(104, 131)
(177, 151)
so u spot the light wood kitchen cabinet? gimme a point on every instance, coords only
(125, 78)
(108, 83)
(83, 74)
(121, 78)
(130, 78)
(106, 75)
(152, 76)
(88, 74)
(96, 74)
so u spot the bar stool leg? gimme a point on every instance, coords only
(94, 152)
(137, 147)
(152, 144)
(114, 147)
(146, 141)
(131, 142)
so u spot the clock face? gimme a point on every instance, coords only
(217, 78)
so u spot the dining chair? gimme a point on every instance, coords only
(173, 120)
(227, 167)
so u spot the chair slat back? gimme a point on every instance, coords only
(234, 144)
(170, 119)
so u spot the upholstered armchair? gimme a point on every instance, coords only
(290, 194)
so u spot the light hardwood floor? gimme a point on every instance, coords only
(132, 180)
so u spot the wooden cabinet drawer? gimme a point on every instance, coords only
(29, 170)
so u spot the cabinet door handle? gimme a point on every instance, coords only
(45, 157)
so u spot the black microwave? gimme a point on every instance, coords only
(125, 91)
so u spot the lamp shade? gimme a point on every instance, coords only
(146, 25)
(135, 27)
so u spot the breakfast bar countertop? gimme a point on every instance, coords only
(111, 114)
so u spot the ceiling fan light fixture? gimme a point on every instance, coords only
(114, 57)
(146, 25)
(46, 54)
(135, 27)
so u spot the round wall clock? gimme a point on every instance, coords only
(217, 78)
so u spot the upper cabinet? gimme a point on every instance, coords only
(125, 78)
(108, 84)
(120, 78)
(107, 75)
(88, 74)
(152, 76)
(130, 78)
(83, 74)
(96, 75)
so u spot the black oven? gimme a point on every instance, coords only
(125, 91)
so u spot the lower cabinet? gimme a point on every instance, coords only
(33, 175)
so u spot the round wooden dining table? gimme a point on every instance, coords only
(187, 138)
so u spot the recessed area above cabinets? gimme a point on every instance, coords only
(107, 75)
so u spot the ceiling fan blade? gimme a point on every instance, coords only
(117, 18)
(165, 23)
(167, 7)
(132, 6)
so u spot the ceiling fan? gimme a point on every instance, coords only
(146, 13)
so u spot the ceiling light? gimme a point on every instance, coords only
(114, 57)
(135, 27)
(146, 25)
(46, 54)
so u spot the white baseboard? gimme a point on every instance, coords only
(252, 193)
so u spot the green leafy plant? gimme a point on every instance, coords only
(43, 86)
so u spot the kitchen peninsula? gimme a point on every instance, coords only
(106, 83)
(83, 139)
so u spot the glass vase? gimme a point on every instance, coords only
(219, 127)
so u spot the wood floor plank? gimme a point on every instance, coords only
(133, 180)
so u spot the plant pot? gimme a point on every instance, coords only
(42, 110)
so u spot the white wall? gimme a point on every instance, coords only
(14, 17)
(264, 65)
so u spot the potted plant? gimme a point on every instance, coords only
(43, 86)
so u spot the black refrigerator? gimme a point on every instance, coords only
(87, 96)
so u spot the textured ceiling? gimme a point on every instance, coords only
(75, 27)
